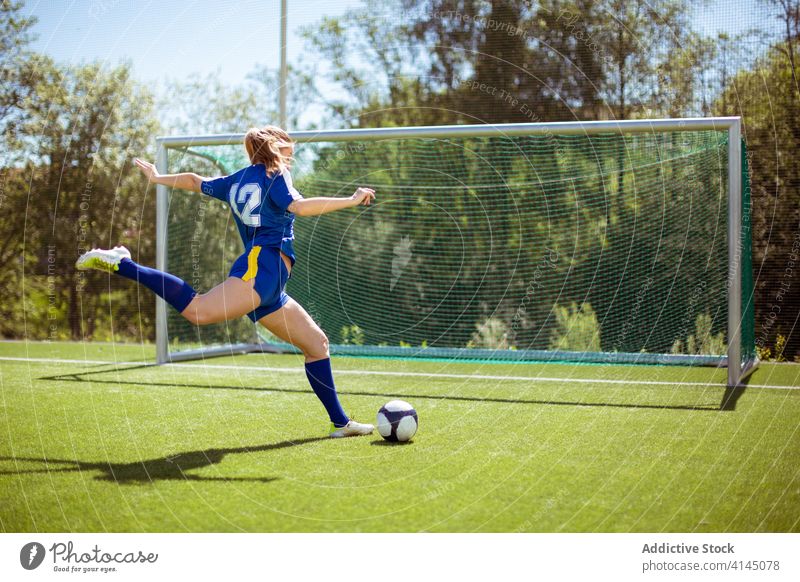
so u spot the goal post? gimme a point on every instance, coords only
(598, 241)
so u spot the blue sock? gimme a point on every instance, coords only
(170, 288)
(320, 376)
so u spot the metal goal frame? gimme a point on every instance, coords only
(737, 369)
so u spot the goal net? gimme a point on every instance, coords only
(613, 242)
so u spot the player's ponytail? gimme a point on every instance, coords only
(264, 145)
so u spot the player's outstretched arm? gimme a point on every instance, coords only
(322, 205)
(184, 181)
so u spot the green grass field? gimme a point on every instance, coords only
(237, 444)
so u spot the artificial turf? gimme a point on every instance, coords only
(238, 444)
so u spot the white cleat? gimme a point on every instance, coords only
(102, 260)
(352, 428)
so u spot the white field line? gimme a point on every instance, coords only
(341, 372)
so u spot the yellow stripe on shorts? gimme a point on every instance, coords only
(252, 264)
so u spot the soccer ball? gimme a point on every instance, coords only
(397, 421)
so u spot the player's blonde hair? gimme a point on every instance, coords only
(263, 145)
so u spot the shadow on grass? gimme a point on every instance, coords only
(173, 467)
(385, 443)
(82, 377)
(732, 394)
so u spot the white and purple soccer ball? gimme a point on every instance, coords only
(397, 421)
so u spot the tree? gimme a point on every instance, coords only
(374, 70)
(766, 98)
(446, 61)
(789, 16)
(16, 67)
(82, 126)
(209, 105)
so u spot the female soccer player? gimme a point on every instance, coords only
(264, 204)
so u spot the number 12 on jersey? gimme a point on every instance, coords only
(250, 196)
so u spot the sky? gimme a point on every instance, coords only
(175, 39)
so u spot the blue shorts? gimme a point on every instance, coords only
(265, 265)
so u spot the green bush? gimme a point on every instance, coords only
(577, 329)
(702, 341)
(491, 333)
(352, 335)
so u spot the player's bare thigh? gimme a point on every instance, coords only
(231, 299)
(292, 324)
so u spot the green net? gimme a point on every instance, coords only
(202, 243)
(593, 248)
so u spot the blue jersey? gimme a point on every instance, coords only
(260, 206)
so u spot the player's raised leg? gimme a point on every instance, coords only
(231, 299)
(228, 300)
(294, 325)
